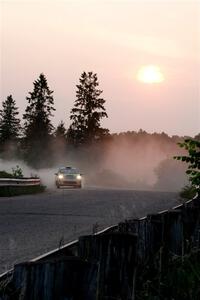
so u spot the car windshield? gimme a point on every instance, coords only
(69, 171)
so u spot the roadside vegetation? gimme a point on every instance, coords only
(6, 191)
(192, 159)
(188, 192)
(169, 276)
(180, 279)
(17, 173)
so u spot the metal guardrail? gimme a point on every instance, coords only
(19, 182)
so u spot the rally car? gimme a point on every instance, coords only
(69, 177)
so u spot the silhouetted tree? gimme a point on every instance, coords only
(37, 126)
(60, 131)
(9, 125)
(60, 143)
(87, 112)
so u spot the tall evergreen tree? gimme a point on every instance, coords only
(60, 143)
(9, 122)
(38, 126)
(60, 131)
(87, 112)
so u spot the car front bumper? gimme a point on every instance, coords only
(68, 183)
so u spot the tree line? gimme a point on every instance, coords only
(33, 139)
(85, 143)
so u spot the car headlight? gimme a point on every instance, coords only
(78, 177)
(60, 176)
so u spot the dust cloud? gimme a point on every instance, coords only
(142, 163)
(46, 175)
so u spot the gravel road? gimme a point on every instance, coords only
(32, 225)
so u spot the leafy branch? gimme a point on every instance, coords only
(193, 161)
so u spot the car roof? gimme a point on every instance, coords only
(68, 168)
(61, 168)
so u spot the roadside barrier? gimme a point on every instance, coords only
(19, 182)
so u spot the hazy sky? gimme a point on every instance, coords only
(114, 39)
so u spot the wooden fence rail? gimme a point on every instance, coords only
(114, 264)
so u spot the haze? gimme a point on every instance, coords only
(114, 39)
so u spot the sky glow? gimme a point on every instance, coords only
(114, 39)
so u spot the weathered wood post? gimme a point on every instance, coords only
(117, 266)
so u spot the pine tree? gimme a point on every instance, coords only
(9, 123)
(60, 131)
(87, 112)
(37, 126)
(60, 143)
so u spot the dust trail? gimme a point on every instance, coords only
(131, 160)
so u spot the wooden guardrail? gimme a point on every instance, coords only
(69, 248)
(120, 262)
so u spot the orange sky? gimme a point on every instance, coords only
(113, 39)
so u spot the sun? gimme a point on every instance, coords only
(150, 74)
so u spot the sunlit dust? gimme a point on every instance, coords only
(150, 74)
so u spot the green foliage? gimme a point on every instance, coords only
(17, 172)
(87, 112)
(182, 281)
(179, 279)
(38, 127)
(193, 161)
(4, 174)
(188, 192)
